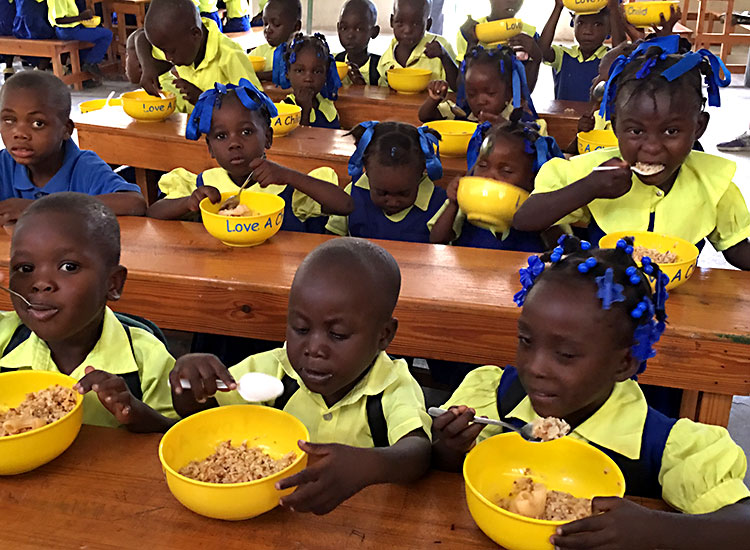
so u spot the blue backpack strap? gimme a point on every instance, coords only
(376, 420)
(510, 393)
(199, 180)
(20, 335)
(290, 388)
(374, 77)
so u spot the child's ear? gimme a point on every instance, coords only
(116, 282)
(428, 26)
(210, 149)
(374, 32)
(298, 25)
(627, 366)
(69, 127)
(269, 137)
(387, 333)
(391, 20)
(703, 119)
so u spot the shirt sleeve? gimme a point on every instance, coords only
(155, 363)
(732, 220)
(556, 63)
(305, 207)
(237, 66)
(266, 362)
(93, 176)
(458, 223)
(461, 46)
(404, 408)
(554, 176)
(702, 469)
(178, 183)
(339, 225)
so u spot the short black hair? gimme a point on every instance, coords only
(293, 7)
(501, 57)
(426, 5)
(56, 91)
(392, 144)
(101, 224)
(366, 6)
(178, 14)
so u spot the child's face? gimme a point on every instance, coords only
(591, 31)
(505, 8)
(180, 48)
(32, 130)
(486, 91)
(508, 162)
(278, 25)
(394, 188)
(308, 72)
(571, 351)
(57, 267)
(356, 28)
(237, 137)
(409, 21)
(659, 129)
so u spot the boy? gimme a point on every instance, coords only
(41, 158)
(357, 25)
(281, 20)
(342, 385)
(66, 20)
(64, 258)
(194, 49)
(412, 46)
(238, 16)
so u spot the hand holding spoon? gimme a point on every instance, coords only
(525, 431)
(254, 387)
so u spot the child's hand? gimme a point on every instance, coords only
(468, 31)
(355, 75)
(492, 118)
(268, 173)
(113, 393)
(452, 190)
(454, 429)
(438, 90)
(610, 184)
(85, 15)
(304, 98)
(666, 25)
(334, 473)
(11, 209)
(586, 123)
(434, 49)
(150, 81)
(190, 91)
(201, 370)
(525, 46)
(201, 193)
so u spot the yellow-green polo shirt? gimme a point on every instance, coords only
(339, 225)
(345, 422)
(417, 58)
(703, 202)
(112, 353)
(573, 51)
(326, 107)
(600, 123)
(364, 70)
(702, 469)
(206, 6)
(57, 9)
(237, 8)
(461, 43)
(267, 51)
(166, 82)
(444, 108)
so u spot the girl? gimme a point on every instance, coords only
(588, 322)
(236, 121)
(396, 198)
(312, 75)
(512, 152)
(656, 103)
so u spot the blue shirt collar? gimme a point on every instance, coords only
(24, 187)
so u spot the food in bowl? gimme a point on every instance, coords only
(667, 257)
(239, 210)
(532, 499)
(38, 409)
(236, 464)
(549, 428)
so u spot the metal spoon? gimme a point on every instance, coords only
(254, 387)
(234, 200)
(109, 98)
(16, 294)
(525, 431)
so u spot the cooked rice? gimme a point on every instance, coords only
(38, 409)
(646, 169)
(534, 500)
(239, 210)
(549, 428)
(236, 464)
(667, 257)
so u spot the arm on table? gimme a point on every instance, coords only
(124, 203)
(739, 255)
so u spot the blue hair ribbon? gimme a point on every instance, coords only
(546, 148)
(713, 81)
(356, 161)
(431, 149)
(475, 144)
(527, 276)
(609, 291)
(279, 67)
(543, 148)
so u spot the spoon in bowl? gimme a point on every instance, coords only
(525, 431)
(254, 387)
(234, 200)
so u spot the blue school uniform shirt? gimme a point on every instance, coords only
(31, 20)
(7, 14)
(572, 73)
(81, 171)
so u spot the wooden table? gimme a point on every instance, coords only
(456, 304)
(248, 39)
(108, 491)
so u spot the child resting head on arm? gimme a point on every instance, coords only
(364, 411)
(282, 19)
(357, 25)
(587, 326)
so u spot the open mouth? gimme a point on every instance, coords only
(22, 152)
(317, 377)
(647, 168)
(41, 312)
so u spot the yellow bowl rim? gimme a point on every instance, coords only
(149, 99)
(258, 58)
(435, 125)
(406, 71)
(203, 202)
(620, 234)
(481, 179)
(498, 21)
(294, 108)
(591, 11)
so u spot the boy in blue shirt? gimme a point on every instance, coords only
(41, 158)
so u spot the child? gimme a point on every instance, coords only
(32, 22)
(7, 14)
(364, 411)
(357, 25)
(64, 259)
(281, 20)
(196, 49)
(412, 46)
(238, 16)
(209, 10)
(311, 73)
(41, 158)
(236, 120)
(586, 329)
(656, 102)
(395, 199)
(66, 20)
(512, 152)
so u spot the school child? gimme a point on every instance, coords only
(393, 169)
(282, 19)
(587, 327)
(412, 46)
(66, 21)
(656, 102)
(365, 413)
(40, 158)
(7, 14)
(65, 256)
(238, 16)
(209, 10)
(511, 152)
(31, 22)
(193, 48)
(236, 121)
(357, 25)
(311, 73)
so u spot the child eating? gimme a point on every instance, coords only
(357, 25)
(587, 326)
(396, 198)
(40, 157)
(281, 20)
(364, 411)
(64, 259)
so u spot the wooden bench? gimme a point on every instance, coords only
(54, 50)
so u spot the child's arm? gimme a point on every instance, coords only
(453, 435)
(202, 370)
(11, 209)
(469, 32)
(548, 34)
(151, 68)
(437, 91)
(83, 16)
(442, 232)
(617, 24)
(124, 203)
(336, 472)
(175, 209)
(739, 255)
(435, 49)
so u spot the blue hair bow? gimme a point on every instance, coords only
(333, 81)
(475, 144)
(544, 148)
(279, 67)
(250, 97)
(713, 81)
(431, 149)
(356, 161)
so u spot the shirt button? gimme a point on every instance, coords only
(38, 195)
(659, 193)
(327, 416)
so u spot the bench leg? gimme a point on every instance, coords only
(714, 408)
(148, 181)
(75, 66)
(58, 68)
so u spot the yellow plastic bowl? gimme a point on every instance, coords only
(342, 68)
(645, 14)
(596, 139)
(96, 104)
(24, 452)
(489, 203)
(197, 437)
(287, 120)
(562, 465)
(93, 22)
(454, 136)
(409, 80)
(244, 231)
(258, 61)
(585, 6)
(501, 30)
(147, 108)
(678, 272)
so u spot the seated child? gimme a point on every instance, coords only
(516, 152)
(412, 46)
(357, 25)
(311, 73)
(586, 329)
(31, 21)
(64, 258)
(209, 10)
(281, 20)
(193, 48)
(396, 197)
(40, 158)
(365, 413)
(656, 102)
(237, 120)
(238, 16)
